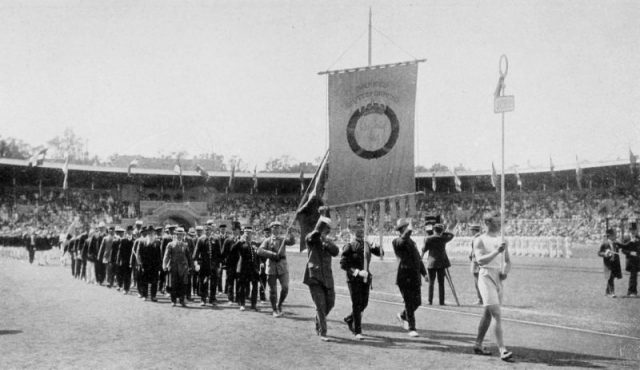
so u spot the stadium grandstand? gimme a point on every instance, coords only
(565, 201)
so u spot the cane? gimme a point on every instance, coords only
(453, 289)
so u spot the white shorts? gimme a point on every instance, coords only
(490, 286)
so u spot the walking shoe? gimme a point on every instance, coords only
(478, 302)
(203, 303)
(241, 308)
(118, 289)
(359, 337)
(173, 304)
(413, 333)
(403, 322)
(349, 323)
(125, 292)
(324, 338)
(506, 355)
(613, 296)
(632, 295)
(154, 299)
(481, 351)
(183, 304)
(276, 314)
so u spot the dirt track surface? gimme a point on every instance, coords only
(49, 320)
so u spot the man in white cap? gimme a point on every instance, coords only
(273, 248)
(318, 274)
(410, 267)
(177, 263)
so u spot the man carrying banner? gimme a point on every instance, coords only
(354, 255)
(489, 250)
(318, 274)
(410, 268)
(274, 250)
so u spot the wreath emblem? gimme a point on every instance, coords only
(357, 118)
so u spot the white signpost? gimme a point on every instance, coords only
(502, 104)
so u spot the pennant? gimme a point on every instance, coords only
(309, 212)
(433, 181)
(632, 161)
(255, 180)
(202, 172)
(551, 167)
(233, 177)
(301, 181)
(37, 159)
(412, 205)
(392, 209)
(382, 215)
(494, 176)
(177, 168)
(133, 163)
(402, 204)
(65, 170)
(518, 180)
(578, 174)
(457, 181)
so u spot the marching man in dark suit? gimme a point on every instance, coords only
(105, 254)
(437, 259)
(632, 252)
(610, 253)
(177, 263)
(318, 274)
(149, 263)
(247, 268)
(359, 279)
(203, 258)
(410, 268)
(123, 261)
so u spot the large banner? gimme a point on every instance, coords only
(371, 133)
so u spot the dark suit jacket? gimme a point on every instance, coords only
(435, 245)
(204, 254)
(632, 251)
(611, 264)
(318, 269)
(410, 265)
(353, 258)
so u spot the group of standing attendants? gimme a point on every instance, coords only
(490, 254)
(610, 251)
(171, 261)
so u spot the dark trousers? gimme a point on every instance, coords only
(230, 285)
(162, 277)
(633, 281)
(214, 281)
(440, 273)
(77, 273)
(148, 277)
(324, 300)
(412, 300)
(219, 282)
(610, 289)
(206, 286)
(83, 269)
(124, 277)
(262, 279)
(248, 287)
(179, 282)
(100, 272)
(73, 267)
(32, 254)
(359, 292)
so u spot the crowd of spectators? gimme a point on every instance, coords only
(580, 215)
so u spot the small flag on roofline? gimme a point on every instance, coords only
(37, 159)
(133, 163)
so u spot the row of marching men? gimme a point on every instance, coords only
(170, 260)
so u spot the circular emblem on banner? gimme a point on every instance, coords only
(373, 131)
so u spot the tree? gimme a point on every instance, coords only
(438, 167)
(14, 148)
(239, 164)
(420, 168)
(281, 164)
(69, 143)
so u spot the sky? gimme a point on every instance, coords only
(241, 77)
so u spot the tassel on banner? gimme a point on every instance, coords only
(412, 206)
(381, 215)
(343, 219)
(402, 204)
(392, 210)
